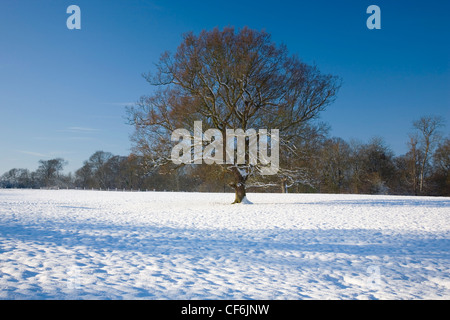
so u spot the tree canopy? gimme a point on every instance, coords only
(229, 79)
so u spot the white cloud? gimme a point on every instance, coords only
(119, 104)
(81, 129)
(36, 154)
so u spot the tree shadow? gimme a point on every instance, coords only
(430, 203)
(219, 257)
(166, 240)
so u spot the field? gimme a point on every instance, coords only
(68, 244)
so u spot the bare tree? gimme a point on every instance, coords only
(442, 156)
(49, 171)
(16, 178)
(335, 165)
(441, 162)
(429, 137)
(300, 155)
(97, 163)
(228, 80)
(413, 160)
(84, 176)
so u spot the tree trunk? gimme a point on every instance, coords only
(284, 187)
(238, 185)
(422, 169)
(414, 160)
(240, 193)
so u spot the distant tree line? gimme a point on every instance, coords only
(321, 164)
(48, 175)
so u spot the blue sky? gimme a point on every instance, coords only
(63, 92)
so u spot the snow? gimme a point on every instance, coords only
(67, 244)
(245, 201)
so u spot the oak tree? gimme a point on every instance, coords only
(228, 79)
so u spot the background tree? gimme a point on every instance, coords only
(49, 172)
(410, 165)
(378, 168)
(84, 177)
(441, 169)
(97, 164)
(427, 128)
(334, 166)
(16, 178)
(228, 80)
(299, 157)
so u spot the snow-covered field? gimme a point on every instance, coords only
(67, 244)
